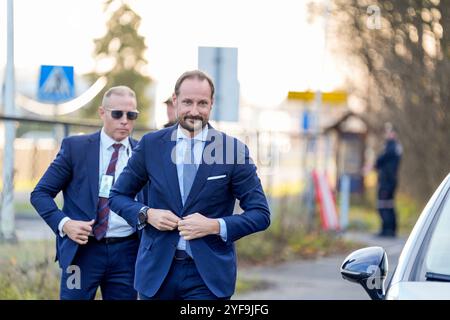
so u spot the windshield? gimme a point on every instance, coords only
(437, 256)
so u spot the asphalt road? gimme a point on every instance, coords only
(33, 229)
(315, 279)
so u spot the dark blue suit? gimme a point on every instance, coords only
(215, 259)
(75, 172)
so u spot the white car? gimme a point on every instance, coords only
(423, 270)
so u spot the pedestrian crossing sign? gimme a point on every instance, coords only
(56, 84)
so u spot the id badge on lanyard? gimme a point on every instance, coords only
(105, 186)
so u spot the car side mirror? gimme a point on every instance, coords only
(368, 267)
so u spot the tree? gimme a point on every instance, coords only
(123, 49)
(404, 74)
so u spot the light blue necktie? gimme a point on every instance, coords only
(189, 169)
(189, 172)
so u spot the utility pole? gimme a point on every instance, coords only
(319, 96)
(312, 140)
(7, 213)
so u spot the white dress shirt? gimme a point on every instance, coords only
(199, 144)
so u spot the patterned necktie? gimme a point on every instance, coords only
(101, 224)
(189, 169)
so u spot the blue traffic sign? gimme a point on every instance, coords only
(56, 84)
(306, 120)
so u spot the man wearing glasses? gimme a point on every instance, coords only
(95, 247)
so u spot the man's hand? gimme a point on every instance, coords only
(163, 220)
(197, 225)
(78, 231)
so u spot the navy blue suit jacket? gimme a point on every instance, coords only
(75, 172)
(215, 259)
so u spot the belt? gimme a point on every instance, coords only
(111, 240)
(181, 255)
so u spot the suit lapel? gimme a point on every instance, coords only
(168, 145)
(204, 169)
(92, 163)
(133, 143)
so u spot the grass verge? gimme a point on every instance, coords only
(28, 271)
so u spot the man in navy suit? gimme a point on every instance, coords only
(187, 248)
(95, 247)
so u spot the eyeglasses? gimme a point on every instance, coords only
(118, 114)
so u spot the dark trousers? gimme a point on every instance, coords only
(109, 266)
(388, 221)
(386, 210)
(183, 282)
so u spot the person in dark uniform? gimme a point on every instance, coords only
(171, 113)
(387, 165)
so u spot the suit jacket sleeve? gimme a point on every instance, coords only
(247, 188)
(132, 179)
(55, 179)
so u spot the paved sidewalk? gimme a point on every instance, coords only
(316, 279)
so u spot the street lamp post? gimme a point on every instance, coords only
(7, 212)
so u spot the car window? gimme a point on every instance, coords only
(437, 255)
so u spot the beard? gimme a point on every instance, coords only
(193, 124)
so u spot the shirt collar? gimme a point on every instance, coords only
(201, 136)
(107, 141)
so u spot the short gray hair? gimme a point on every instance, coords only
(118, 91)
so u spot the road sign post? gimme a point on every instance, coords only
(221, 65)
